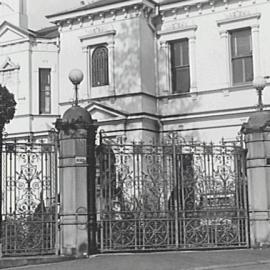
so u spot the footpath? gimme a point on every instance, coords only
(174, 260)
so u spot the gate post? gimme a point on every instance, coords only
(257, 137)
(77, 178)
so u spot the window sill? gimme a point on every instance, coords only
(233, 88)
(100, 91)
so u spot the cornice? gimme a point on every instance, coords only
(107, 13)
(15, 42)
(191, 8)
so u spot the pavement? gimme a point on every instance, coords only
(245, 259)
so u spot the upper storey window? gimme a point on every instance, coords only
(100, 74)
(44, 90)
(180, 66)
(241, 54)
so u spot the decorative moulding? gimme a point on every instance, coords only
(239, 16)
(123, 9)
(97, 37)
(8, 65)
(177, 31)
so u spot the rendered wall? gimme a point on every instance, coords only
(213, 105)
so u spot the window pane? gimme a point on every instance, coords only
(100, 66)
(176, 61)
(182, 80)
(238, 71)
(241, 42)
(179, 52)
(248, 69)
(184, 51)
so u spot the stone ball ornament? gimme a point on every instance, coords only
(76, 76)
(259, 83)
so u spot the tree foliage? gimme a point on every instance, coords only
(7, 106)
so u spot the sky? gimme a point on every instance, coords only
(37, 9)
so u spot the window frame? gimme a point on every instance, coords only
(43, 97)
(175, 68)
(235, 22)
(89, 42)
(96, 78)
(166, 37)
(233, 58)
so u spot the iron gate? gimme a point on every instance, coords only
(171, 196)
(29, 207)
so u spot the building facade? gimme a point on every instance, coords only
(150, 67)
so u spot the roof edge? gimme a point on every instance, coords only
(96, 8)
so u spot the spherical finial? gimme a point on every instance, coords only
(75, 76)
(259, 83)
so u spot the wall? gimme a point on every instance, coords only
(213, 104)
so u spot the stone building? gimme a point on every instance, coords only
(150, 67)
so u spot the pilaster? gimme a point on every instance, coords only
(257, 137)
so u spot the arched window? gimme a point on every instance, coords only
(100, 66)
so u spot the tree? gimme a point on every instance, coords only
(7, 106)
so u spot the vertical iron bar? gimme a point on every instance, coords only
(144, 190)
(211, 186)
(238, 191)
(91, 190)
(57, 199)
(140, 195)
(43, 159)
(245, 191)
(108, 197)
(1, 192)
(176, 193)
(134, 199)
(4, 180)
(182, 198)
(15, 191)
(10, 212)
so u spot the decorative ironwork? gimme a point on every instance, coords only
(29, 189)
(177, 195)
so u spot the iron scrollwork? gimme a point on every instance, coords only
(29, 198)
(177, 195)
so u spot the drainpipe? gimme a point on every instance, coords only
(151, 17)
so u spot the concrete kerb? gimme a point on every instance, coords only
(230, 266)
(25, 261)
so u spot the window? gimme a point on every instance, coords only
(44, 90)
(180, 66)
(241, 53)
(100, 74)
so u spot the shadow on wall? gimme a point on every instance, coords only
(128, 76)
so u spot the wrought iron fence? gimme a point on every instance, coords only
(29, 198)
(175, 195)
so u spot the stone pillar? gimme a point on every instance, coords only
(257, 136)
(77, 182)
